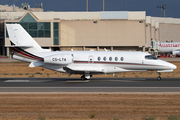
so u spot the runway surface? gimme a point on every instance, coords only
(94, 85)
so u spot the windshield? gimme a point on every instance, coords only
(150, 57)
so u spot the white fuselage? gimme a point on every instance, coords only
(95, 62)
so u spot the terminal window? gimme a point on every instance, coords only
(56, 33)
(35, 29)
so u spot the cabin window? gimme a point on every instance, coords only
(99, 58)
(104, 58)
(150, 57)
(110, 58)
(116, 58)
(122, 58)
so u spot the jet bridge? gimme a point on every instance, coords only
(154, 47)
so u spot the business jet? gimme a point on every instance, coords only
(86, 63)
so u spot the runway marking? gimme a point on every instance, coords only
(78, 81)
(16, 81)
(39, 81)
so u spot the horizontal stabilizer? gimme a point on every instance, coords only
(35, 64)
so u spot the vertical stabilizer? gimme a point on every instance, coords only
(19, 37)
(24, 46)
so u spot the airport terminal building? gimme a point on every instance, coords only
(113, 30)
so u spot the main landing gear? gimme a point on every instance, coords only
(159, 78)
(83, 77)
(86, 77)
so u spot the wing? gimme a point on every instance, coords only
(81, 69)
(93, 69)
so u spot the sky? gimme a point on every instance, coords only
(150, 6)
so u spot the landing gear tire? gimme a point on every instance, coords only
(83, 77)
(159, 78)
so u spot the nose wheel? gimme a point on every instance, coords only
(159, 78)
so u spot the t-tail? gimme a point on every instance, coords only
(24, 46)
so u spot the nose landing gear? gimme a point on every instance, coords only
(159, 78)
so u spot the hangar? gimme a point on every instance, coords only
(113, 30)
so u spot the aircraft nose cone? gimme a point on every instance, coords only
(169, 66)
(173, 66)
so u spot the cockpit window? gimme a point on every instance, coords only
(150, 57)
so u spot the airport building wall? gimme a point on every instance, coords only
(169, 32)
(102, 33)
(148, 35)
(164, 29)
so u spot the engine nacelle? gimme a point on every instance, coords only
(59, 59)
(175, 52)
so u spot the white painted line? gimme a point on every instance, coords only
(40, 81)
(16, 81)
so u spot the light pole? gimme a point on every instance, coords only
(164, 8)
(103, 5)
(126, 5)
(87, 5)
(161, 9)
